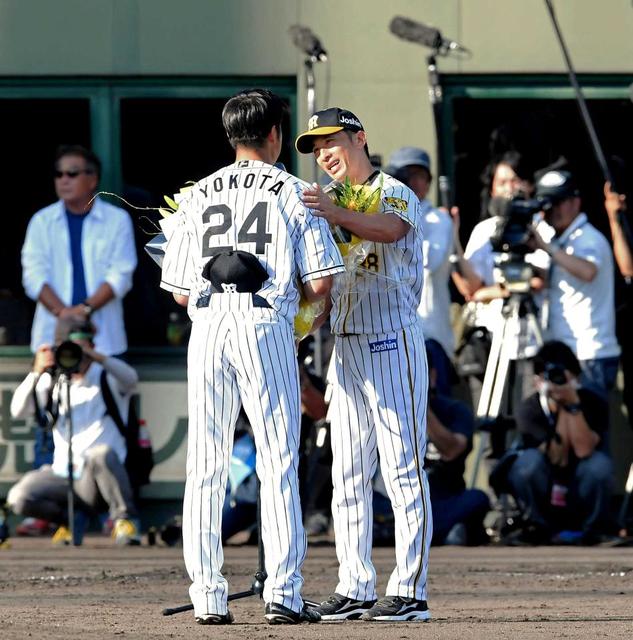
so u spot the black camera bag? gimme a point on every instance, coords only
(471, 357)
(139, 461)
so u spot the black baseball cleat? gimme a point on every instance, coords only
(278, 614)
(215, 618)
(338, 607)
(396, 609)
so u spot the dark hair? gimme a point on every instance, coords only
(556, 352)
(93, 163)
(513, 159)
(249, 116)
(350, 135)
(407, 173)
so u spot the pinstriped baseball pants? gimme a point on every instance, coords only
(379, 406)
(242, 358)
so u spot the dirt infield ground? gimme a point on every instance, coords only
(98, 591)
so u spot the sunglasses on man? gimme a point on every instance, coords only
(73, 173)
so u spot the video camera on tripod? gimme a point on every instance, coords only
(510, 240)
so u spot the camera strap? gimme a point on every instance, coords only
(112, 409)
(551, 418)
(46, 417)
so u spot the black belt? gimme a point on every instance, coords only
(258, 301)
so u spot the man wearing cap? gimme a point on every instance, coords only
(98, 448)
(580, 299)
(412, 166)
(379, 378)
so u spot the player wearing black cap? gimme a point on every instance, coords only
(379, 379)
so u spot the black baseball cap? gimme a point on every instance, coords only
(557, 186)
(240, 268)
(324, 122)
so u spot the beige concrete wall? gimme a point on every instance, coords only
(380, 77)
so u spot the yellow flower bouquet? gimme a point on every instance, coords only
(355, 197)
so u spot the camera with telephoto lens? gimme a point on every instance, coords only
(510, 239)
(68, 356)
(554, 373)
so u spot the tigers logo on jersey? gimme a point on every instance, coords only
(396, 203)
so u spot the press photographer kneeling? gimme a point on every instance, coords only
(562, 479)
(98, 449)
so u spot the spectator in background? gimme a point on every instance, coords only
(77, 261)
(474, 278)
(579, 308)
(458, 513)
(79, 256)
(510, 176)
(98, 447)
(412, 166)
(563, 477)
(615, 204)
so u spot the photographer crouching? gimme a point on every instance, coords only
(562, 479)
(98, 448)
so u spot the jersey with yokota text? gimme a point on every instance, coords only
(255, 207)
(383, 294)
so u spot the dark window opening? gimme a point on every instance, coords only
(543, 130)
(166, 142)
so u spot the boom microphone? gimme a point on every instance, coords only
(421, 34)
(304, 39)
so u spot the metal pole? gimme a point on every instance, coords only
(311, 105)
(65, 377)
(436, 96)
(580, 98)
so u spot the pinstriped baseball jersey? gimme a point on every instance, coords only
(364, 303)
(255, 207)
(244, 354)
(378, 406)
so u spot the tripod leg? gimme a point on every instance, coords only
(501, 377)
(170, 611)
(491, 381)
(491, 372)
(534, 328)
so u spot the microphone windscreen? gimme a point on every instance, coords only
(415, 32)
(303, 38)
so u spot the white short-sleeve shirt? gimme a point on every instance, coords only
(435, 302)
(582, 314)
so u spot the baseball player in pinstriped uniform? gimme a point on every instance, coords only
(380, 381)
(242, 239)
